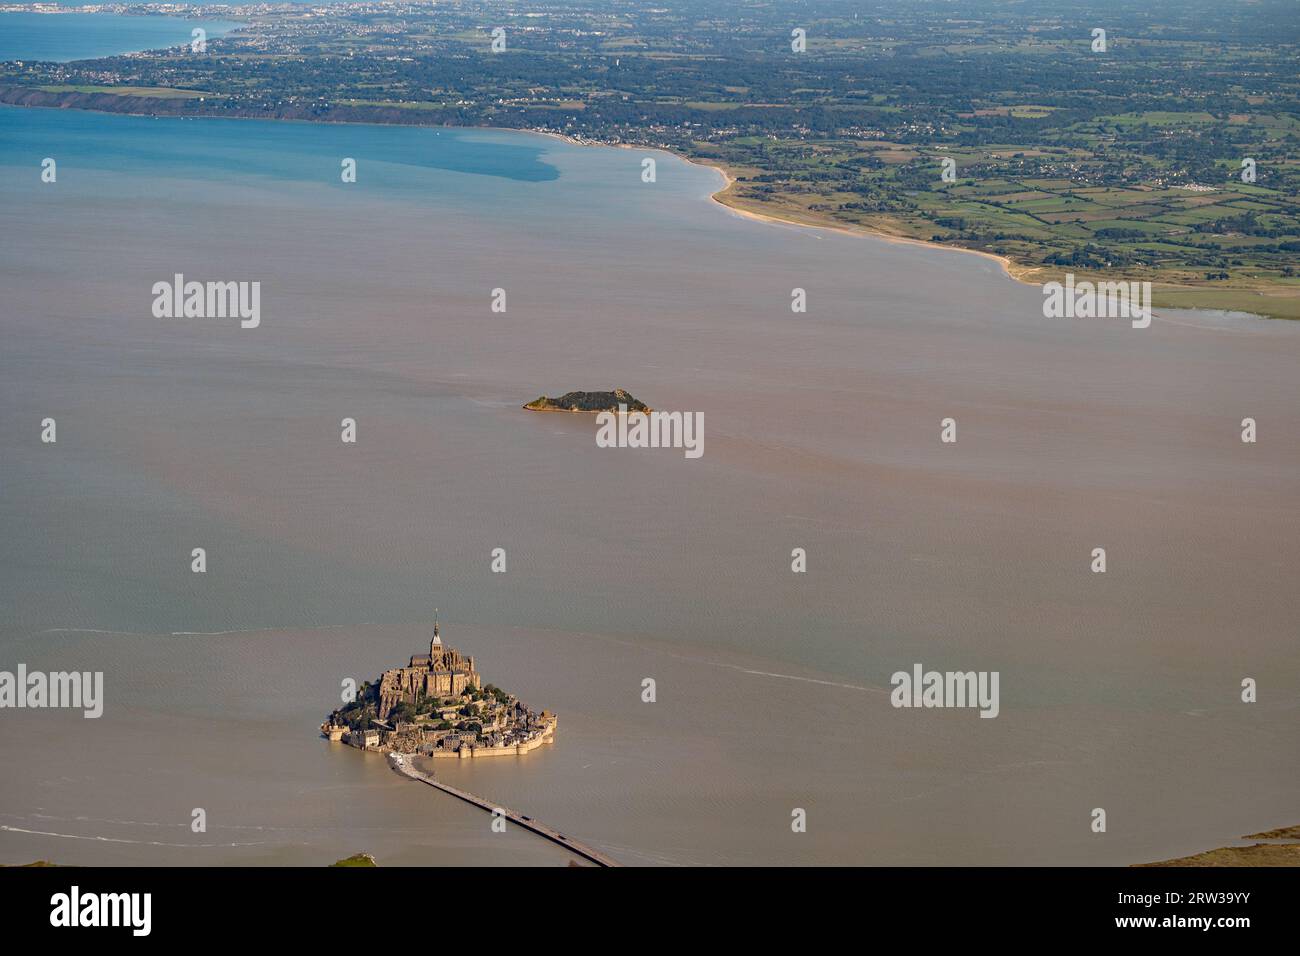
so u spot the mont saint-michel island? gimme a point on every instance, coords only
(438, 706)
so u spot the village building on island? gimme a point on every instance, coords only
(438, 706)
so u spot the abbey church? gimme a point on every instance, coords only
(443, 672)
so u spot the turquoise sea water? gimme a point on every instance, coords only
(395, 161)
(82, 36)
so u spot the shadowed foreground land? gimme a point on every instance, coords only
(773, 686)
(588, 402)
(1260, 854)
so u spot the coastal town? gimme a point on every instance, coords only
(438, 706)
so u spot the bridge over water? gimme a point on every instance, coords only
(402, 766)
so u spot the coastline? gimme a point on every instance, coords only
(1030, 275)
(1011, 269)
(567, 411)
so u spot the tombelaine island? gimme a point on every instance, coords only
(438, 706)
(588, 402)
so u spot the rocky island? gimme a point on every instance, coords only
(438, 706)
(588, 402)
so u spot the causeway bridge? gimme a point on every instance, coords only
(399, 763)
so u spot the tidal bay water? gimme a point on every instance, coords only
(326, 560)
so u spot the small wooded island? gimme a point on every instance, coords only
(588, 402)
